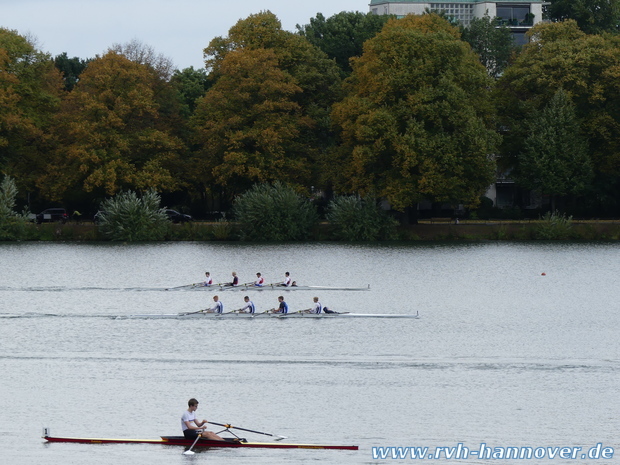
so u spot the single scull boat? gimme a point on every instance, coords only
(181, 441)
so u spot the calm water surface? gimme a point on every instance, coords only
(501, 355)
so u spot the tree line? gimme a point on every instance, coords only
(403, 110)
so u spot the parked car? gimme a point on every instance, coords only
(52, 214)
(177, 217)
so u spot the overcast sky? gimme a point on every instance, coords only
(179, 29)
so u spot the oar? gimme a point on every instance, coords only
(277, 436)
(193, 313)
(262, 313)
(232, 311)
(190, 451)
(186, 285)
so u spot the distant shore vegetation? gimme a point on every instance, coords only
(356, 133)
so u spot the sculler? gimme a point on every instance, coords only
(192, 427)
(249, 306)
(235, 280)
(208, 280)
(287, 280)
(260, 281)
(317, 307)
(283, 307)
(218, 306)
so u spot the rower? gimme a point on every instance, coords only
(287, 280)
(317, 307)
(208, 279)
(235, 280)
(249, 306)
(283, 307)
(192, 427)
(260, 281)
(218, 306)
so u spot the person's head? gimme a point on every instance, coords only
(258, 274)
(215, 298)
(316, 299)
(192, 402)
(281, 299)
(207, 274)
(246, 298)
(287, 274)
(234, 273)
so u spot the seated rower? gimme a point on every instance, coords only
(218, 306)
(260, 281)
(317, 307)
(235, 280)
(283, 307)
(192, 428)
(287, 280)
(208, 279)
(249, 306)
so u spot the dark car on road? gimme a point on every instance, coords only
(177, 217)
(52, 215)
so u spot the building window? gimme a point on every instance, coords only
(518, 15)
(459, 11)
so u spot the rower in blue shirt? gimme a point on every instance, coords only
(249, 306)
(283, 307)
(218, 306)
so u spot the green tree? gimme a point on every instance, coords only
(30, 91)
(554, 159)
(274, 213)
(109, 131)
(249, 124)
(191, 85)
(342, 35)
(493, 43)
(415, 123)
(12, 224)
(71, 68)
(592, 16)
(129, 217)
(587, 67)
(293, 62)
(354, 219)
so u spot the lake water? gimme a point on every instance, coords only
(516, 345)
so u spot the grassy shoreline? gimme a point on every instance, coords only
(425, 230)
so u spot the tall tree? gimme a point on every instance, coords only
(415, 123)
(592, 16)
(248, 124)
(295, 62)
(493, 43)
(30, 95)
(554, 159)
(109, 133)
(342, 35)
(71, 68)
(587, 67)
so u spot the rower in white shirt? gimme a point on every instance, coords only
(218, 306)
(208, 279)
(260, 281)
(249, 306)
(317, 307)
(287, 280)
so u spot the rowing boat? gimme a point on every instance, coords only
(300, 314)
(266, 287)
(181, 441)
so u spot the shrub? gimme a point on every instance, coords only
(554, 226)
(12, 225)
(274, 213)
(354, 219)
(128, 217)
